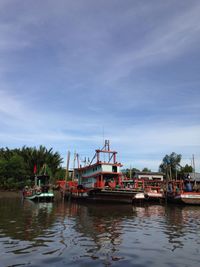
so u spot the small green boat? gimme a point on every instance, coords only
(41, 191)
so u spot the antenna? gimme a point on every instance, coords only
(67, 166)
(74, 161)
(193, 165)
(103, 135)
(130, 172)
(107, 145)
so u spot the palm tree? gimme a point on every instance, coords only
(170, 165)
(40, 157)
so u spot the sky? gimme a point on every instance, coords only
(73, 73)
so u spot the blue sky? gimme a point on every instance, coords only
(75, 72)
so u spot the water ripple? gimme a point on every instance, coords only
(63, 234)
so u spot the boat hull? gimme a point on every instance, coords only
(154, 197)
(191, 198)
(117, 196)
(40, 197)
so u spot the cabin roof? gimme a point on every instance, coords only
(101, 173)
(148, 173)
(99, 163)
(194, 176)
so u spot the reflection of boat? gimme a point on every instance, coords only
(30, 220)
(183, 191)
(40, 191)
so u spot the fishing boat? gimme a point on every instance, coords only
(41, 190)
(154, 190)
(101, 180)
(183, 192)
(150, 190)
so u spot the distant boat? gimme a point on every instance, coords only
(41, 191)
(192, 198)
(39, 196)
(154, 190)
(183, 192)
(150, 190)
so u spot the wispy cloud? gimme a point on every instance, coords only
(167, 40)
(69, 69)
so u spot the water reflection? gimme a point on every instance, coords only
(61, 233)
(25, 220)
(177, 222)
(104, 226)
(181, 221)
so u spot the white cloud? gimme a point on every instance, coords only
(141, 144)
(10, 105)
(170, 39)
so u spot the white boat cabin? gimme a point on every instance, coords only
(106, 169)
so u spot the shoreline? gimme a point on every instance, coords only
(9, 194)
(18, 194)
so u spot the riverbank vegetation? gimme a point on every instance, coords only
(18, 166)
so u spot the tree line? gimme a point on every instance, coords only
(170, 166)
(17, 166)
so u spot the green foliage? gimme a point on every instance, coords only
(146, 170)
(186, 169)
(127, 172)
(60, 174)
(171, 165)
(17, 165)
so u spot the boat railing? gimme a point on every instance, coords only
(180, 186)
(118, 189)
(156, 189)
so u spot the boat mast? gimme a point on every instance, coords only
(193, 165)
(130, 172)
(67, 167)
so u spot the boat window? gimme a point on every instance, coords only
(114, 168)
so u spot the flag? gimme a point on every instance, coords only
(35, 169)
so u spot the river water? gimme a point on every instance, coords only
(70, 234)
